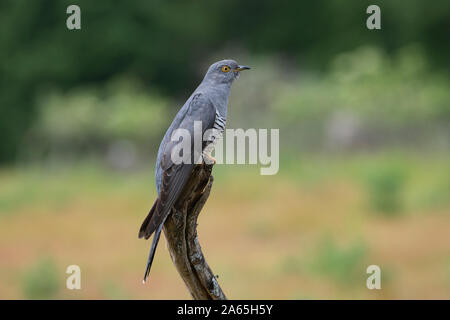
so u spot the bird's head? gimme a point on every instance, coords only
(224, 71)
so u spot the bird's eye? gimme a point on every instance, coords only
(225, 68)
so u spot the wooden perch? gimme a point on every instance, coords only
(180, 229)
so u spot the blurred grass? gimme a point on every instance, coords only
(343, 264)
(385, 188)
(42, 281)
(263, 235)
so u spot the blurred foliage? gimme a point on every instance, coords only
(343, 264)
(369, 100)
(92, 120)
(41, 281)
(168, 44)
(385, 186)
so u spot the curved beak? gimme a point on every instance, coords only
(240, 68)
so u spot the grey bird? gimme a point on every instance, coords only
(207, 104)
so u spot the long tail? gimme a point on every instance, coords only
(152, 251)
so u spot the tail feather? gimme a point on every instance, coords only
(143, 230)
(152, 251)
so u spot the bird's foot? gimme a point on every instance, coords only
(208, 159)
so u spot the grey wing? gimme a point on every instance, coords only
(175, 176)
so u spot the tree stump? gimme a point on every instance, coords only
(180, 230)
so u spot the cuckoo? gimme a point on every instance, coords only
(206, 106)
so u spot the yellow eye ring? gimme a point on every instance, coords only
(225, 68)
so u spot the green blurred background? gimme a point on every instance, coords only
(364, 119)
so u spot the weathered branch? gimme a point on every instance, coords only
(180, 229)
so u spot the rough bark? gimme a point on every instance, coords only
(180, 230)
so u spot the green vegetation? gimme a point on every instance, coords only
(368, 101)
(42, 280)
(343, 264)
(165, 44)
(93, 118)
(385, 189)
